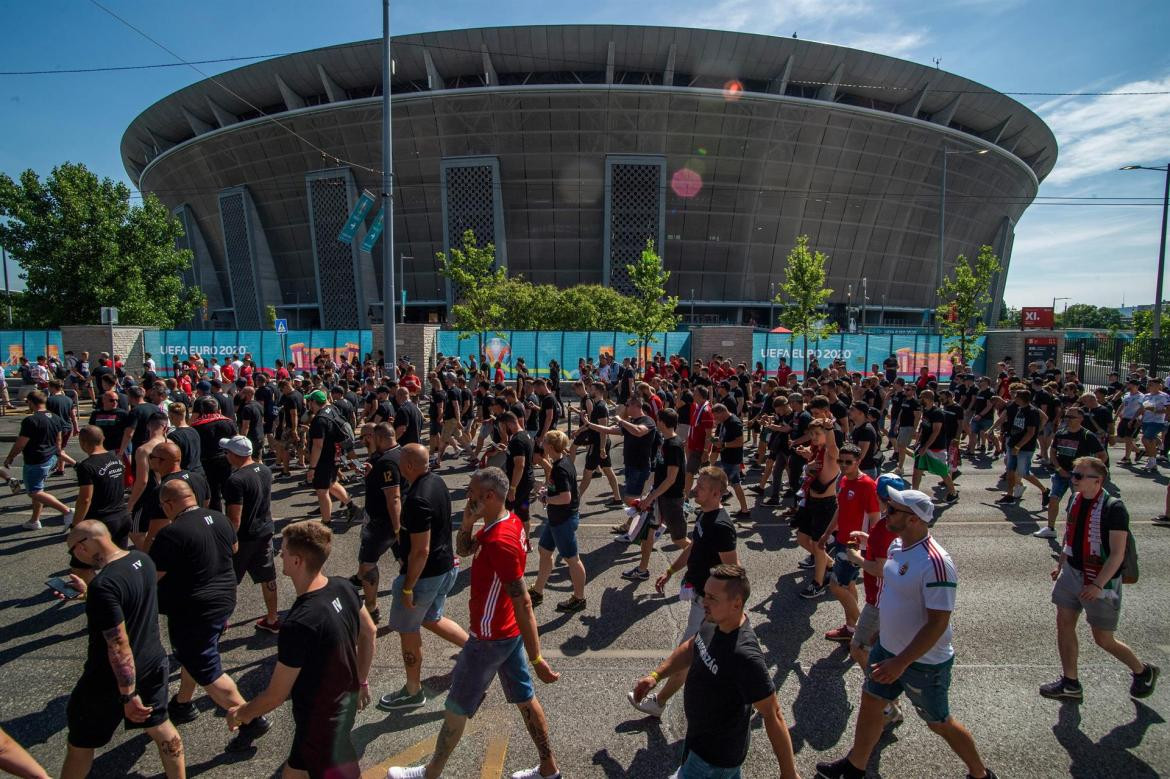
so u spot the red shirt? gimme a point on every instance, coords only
(855, 498)
(876, 548)
(412, 383)
(499, 375)
(702, 423)
(782, 374)
(499, 560)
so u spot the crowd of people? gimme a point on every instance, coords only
(174, 508)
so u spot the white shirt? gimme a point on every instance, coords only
(1155, 404)
(150, 365)
(1131, 405)
(915, 579)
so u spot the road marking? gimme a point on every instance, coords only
(409, 756)
(493, 758)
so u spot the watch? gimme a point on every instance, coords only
(127, 698)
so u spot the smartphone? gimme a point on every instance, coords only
(63, 586)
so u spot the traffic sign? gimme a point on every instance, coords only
(281, 326)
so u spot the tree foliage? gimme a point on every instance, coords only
(653, 310)
(966, 295)
(1143, 323)
(1086, 315)
(81, 245)
(803, 293)
(477, 284)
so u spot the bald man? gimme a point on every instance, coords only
(427, 572)
(197, 592)
(124, 679)
(149, 517)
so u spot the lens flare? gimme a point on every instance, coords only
(686, 183)
(732, 90)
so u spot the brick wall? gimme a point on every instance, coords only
(732, 342)
(414, 339)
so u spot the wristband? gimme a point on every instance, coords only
(669, 570)
(365, 685)
(538, 660)
(653, 675)
(407, 592)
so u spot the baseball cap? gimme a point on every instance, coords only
(317, 396)
(203, 386)
(918, 502)
(888, 481)
(237, 444)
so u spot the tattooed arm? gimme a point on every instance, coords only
(528, 631)
(122, 663)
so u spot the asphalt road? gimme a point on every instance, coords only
(1004, 635)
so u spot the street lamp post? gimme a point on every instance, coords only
(390, 338)
(942, 220)
(1157, 330)
(772, 306)
(849, 308)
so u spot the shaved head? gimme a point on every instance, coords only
(88, 530)
(414, 457)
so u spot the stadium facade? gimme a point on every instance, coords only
(568, 146)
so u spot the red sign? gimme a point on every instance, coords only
(1037, 318)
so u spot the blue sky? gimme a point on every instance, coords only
(1094, 254)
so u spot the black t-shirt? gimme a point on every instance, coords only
(672, 453)
(190, 448)
(292, 402)
(639, 450)
(1018, 421)
(326, 426)
(1068, 446)
(563, 479)
(409, 417)
(520, 445)
(123, 591)
(1046, 402)
(383, 411)
(909, 407)
(730, 430)
(547, 404)
(450, 404)
(113, 424)
(210, 430)
(438, 401)
(105, 472)
(982, 400)
(930, 417)
(62, 406)
(467, 402)
(532, 409)
(251, 488)
(952, 415)
(253, 414)
(599, 415)
(383, 475)
(139, 416)
(266, 397)
(98, 373)
(800, 425)
(1114, 516)
(714, 533)
(319, 636)
(839, 410)
(865, 433)
(728, 675)
(1098, 419)
(195, 551)
(225, 403)
(41, 430)
(427, 507)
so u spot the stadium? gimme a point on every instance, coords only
(568, 147)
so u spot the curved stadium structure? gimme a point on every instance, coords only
(568, 146)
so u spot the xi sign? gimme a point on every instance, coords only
(356, 217)
(1037, 318)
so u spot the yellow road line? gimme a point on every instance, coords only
(409, 756)
(493, 758)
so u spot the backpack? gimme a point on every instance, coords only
(342, 429)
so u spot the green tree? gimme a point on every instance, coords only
(1086, 315)
(1009, 317)
(803, 293)
(81, 245)
(652, 310)
(1143, 323)
(478, 286)
(593, 307)
(966, 295)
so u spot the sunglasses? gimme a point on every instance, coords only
(1077, 476)
(845, 462)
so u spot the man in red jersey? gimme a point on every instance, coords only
(503, 633)
(702, 422)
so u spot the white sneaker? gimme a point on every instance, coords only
(412, 772)
(1044, 532)
(1019, 491)
(892, 716)
(534, 773)
(1150, 464)
(32, 524)
(66, 521)
(659, 531)
(648, 705)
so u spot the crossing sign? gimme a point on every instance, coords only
(281, 326)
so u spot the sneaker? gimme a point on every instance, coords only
(571, 605)
(1005, 499)
(952, 497)
(615, 502)
(410, 772)
(839, 769)
(892, 717)
(248, 734)
(814, 590)
(1019, 491)
(537, 598)
(807, 563)
(989, 775)
(181, 713)
(771, 501)
(66, 520)
(266, 626)
(402, 700)
(32, 524)
(648, 705)
(1044, 532)
(1063, 689)
(376, 615)
(16, 486)
(534, 773)
(843, 633)
(659, 531)
(618, 530)
(1045, 497)
(1161, 520)
(635, 574)
(1150, 464)
(352, 512)
(1143, 683)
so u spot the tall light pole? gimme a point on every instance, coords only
(864, 300)
(772, 306)
(1157, 331)
(390, 336)
(7, 291)
(942, 220)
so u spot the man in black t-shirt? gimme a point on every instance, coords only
(211, 426)
(141, 412)
(101, 493)
(728, 441)
(124, 679)
(1022, 423)
(727, 677)
(865, 437)
(326, 436)
(250, 420)
(323, 660)
(982, 416)
(518, 456)
(287, 434)
(427, 572)
(664, 497)
(39, 441)
(1071, 442)
(197, 592)
(383, 483)
(408, 420)
(113, 421)
(908, 418)
(247, 499)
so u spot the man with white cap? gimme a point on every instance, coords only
(247, 501)
(913, 653)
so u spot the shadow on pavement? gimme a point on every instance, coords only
(1110, 756)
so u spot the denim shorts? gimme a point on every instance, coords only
(1020, 463)
(430, 595)
(1149, 430)
(844, 572)
(1060, 486)
(477, 663)
(635, 480)
(980, 424)
(35, 475)
(695, 767)
(732, 471)
(561, 538)
(925, 685)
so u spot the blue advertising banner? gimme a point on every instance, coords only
(374, 232)
(538, 348)
(28, 343)
(301, 346)
(860, 352)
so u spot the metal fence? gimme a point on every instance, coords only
(1095, 358)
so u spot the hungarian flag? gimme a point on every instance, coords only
(933, 461)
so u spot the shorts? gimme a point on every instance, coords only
(430, 596)
(325, 473)
(450, 428)
(670, 513)
(377, 538)
(1060, 486)
(478, 662)
(436, 427)
(35, 475)
(1127, 428)
(1102, 613)
(254, 557)
(521, 507)
(635, 480)
(196, 646)
(1048, 430)
(94, 711)
(695, 767)
(905, 435)
(866, 633)
(1149, 430)
(597, 456)
(844, 572)
(561, 538)
(323, 748)
(1020, 463)
(814, 516)
(927, 686)
(694, 462)
(733, 473)
(980, 424)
